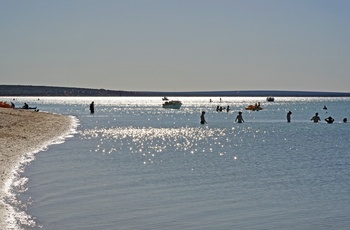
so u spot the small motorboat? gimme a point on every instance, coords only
(172, 105)
(253, 108)
(270, 99)
(165, 99)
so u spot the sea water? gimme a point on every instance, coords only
(134, 165)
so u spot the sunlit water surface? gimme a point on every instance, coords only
(133, 165)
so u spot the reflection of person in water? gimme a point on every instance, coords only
(239, 118)
(289, 116)
(329, 120)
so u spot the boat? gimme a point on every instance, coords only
(172, 105)
(270, 99)
(253, 108)
(4, 104)
(33, 108)
(165, 99)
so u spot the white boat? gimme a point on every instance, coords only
(172, 105)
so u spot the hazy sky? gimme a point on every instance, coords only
(177, 45)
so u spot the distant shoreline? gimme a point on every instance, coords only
(37, 91)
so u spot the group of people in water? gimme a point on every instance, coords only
(329, 119)
(239, 118)
(220, 108)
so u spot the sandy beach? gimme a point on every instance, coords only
(21, 132)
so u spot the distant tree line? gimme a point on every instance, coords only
(29, 90)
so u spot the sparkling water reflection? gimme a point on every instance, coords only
(134, 165)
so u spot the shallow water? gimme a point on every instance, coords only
(134, 165)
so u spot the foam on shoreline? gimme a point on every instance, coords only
(22, 134)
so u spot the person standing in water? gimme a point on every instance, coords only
(202, 118)
(239, 118)
(316, 118)
(289, 116)
(92, 108)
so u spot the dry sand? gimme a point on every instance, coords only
(21, 132)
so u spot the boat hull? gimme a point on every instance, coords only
(172, 105)
(253, 108)
(4, 104)
(28, 108)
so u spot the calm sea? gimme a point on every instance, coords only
(134, 165)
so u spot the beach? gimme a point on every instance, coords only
(22, 132)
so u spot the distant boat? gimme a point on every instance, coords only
(172, 105)
(270, 99)
(165, 99)
(254, 108)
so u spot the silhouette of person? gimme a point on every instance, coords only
(92, 107)
(289, 116)
(202, 118)
(239, 118)
(329, 120)
(316, 118)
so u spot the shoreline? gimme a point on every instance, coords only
(23, 132)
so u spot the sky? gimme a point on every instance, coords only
(177, 45)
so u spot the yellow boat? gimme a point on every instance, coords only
(253, 107)
(4, 104)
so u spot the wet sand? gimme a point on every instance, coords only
(21, 132)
